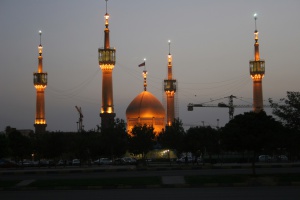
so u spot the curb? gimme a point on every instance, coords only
(147, 168)
(208, 185)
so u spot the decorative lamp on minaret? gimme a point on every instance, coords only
(170, 90)
(40, 84)
(257, 72)
(107, 58)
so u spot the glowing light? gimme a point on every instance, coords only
(40, 87)
(169, 41)
(144, 59)
(40, 121)
(40, 32)
(255, 15)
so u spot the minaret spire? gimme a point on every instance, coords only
(256, 45)
(169, 41)
(40, 33)
(106, 30)
(107, 60)
(170, 90)
(40, 49)
(169, 62)
(257, 72)
(40, 83)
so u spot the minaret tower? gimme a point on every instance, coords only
(40, 84)
(170, 90)
(257, 72)
(107, 58)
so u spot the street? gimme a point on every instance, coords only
(224, 193)
(82, 173)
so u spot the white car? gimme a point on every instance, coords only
(103, 161)
(264, 158)
(187, 159)
(75, 162)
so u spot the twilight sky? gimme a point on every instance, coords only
(212, 43)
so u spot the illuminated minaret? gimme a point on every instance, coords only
(170, 90)
(107, 58)
(257, 72)
(40, 84)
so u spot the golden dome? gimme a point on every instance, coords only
(145, 109)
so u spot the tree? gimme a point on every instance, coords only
(141, 139)
(252, 132)
(3, 146)
(202, 140)
(114, 139)
(49, 145)
(172, 137)
(20, 145)
(288, 110)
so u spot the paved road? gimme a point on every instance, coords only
(42, 175)
(227, 193)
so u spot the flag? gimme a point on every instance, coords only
(142, 64)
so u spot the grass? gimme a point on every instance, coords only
(106, 182)
(231, 179)
(8, 183)
(220, 179)
(200, 180)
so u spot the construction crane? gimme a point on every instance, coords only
(79, 123)
(221, 105)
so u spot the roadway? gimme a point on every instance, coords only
(129, 171)
(224, 193)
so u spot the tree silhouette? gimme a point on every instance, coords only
(288, 110)
(172, 137)
(141, 140)
(252, 132)
(202, 140)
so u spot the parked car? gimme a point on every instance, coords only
(103, 161)
(26, 163)
(185, 159)
(7, 163)
(75, 162)
(281, 158)
(62, 163)
(129, 160)
(119, 161)
(264, 158)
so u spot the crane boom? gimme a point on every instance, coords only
(221, 105)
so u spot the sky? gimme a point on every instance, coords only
(211, 43)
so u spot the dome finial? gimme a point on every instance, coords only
(144, 74)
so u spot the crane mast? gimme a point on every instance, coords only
(79, 123)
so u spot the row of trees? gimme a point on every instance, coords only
(249, 132)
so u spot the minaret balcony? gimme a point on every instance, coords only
(257, 67)
(170, 85)
(40, 79)
(107, 56)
